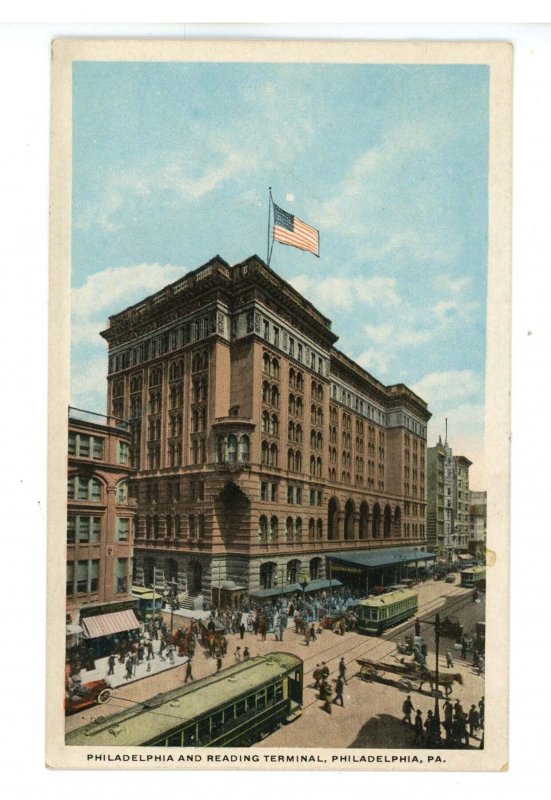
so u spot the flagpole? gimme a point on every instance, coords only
(268, 253)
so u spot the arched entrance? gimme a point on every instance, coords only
(387, 527)
(267, 574)
(376, 522)
(333, 519)
(349, 510)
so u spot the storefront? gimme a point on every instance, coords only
(105, 627)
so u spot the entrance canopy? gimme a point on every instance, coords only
(289, 589)
(108, 624)
(322, 583)
(377, 559)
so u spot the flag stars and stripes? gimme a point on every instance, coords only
(291, 230)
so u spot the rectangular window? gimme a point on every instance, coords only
(70, 578)
(94, 576)
(82, 577)
(72, 443)
(83, 446)
(276, 337)
(121, 575)
(274, 492)
(123, 529)
(291, 347)
(123, 453)
(289, 494)
(299, 353)
(71, 530)
(97, 447)
(298, 495)
(263, 491)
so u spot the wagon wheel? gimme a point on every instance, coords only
(369, 674)
(104, 696)
(405, 685)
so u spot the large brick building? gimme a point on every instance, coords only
(258, 446)
(100, 524)
(448, 523)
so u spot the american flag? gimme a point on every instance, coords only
(289, 229)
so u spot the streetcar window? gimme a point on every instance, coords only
(217, 721)
(229, 714)
(270, 695)
(174, 740)
(204, 731)
(240, 709)
(261, 699)
(278, 692)
(190, 736)
(251, 705)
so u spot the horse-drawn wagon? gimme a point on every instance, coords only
(409, 674)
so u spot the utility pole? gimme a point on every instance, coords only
(434, 734)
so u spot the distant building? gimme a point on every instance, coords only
(259, 447)
(100, 526)
(448, 522)
(477, 523)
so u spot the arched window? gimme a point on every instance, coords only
(265, 422)
(220, 448)
(315, 569)
(275, 368)
(387, 527)
(231, 448)
(298, 433)
(243, 453)
(262, 528)
(273, 455)
(289, 529)
(291, 431)
(292, 404)
(311, 528)
(298, 461)
(312, 465)
(273, 529)
(266, 363)
(265, 453)
(169, 528)
(313, 440)
(318, 467)
(192, 528)
(274, 426)
(292, 377)
(319, 529)
(122, 492)
(293, 570)
(299, 407)
(275, 396)
(265, 392)
(291, 460)
(298, 529)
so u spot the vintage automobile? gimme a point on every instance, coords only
(85, 695)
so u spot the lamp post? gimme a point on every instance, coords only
(435, 737)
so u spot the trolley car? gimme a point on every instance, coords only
(474, 578)
(378, 613)
(232, 708)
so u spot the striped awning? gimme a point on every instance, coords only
(108, 624)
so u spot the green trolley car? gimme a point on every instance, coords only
(474, 578)
(378, 613)
(233, 708)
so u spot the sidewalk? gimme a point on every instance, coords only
(144, 669)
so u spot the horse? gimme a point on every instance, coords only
(445, 679)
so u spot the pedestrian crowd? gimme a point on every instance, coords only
(459, 726)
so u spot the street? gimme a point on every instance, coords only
(372, 711)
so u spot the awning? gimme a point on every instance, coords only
(291, 587)
(322, 583)
(107, 624)
(384, 557)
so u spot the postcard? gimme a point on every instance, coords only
(279, 405)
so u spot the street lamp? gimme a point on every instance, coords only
(303, 583)
(434, 733)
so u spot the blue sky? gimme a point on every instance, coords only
(172, 163)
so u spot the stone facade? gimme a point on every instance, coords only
(448, 521)
(258, 445)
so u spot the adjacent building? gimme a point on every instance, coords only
(100, 527)
(258, 447)
(478, 523)
(448, 520)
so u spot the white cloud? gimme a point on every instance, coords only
(342, 292)
(443, 390)
(111, 290)
(89, 383)
(374, 361)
